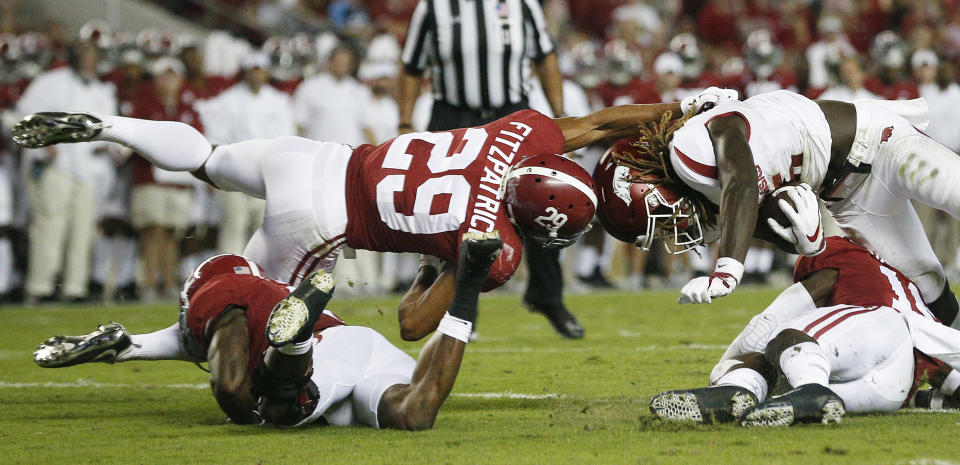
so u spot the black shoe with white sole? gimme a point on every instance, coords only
(810, 403)
(49, 128)
(713, 404)
(102, 345)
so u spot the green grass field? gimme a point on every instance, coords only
(523, 396)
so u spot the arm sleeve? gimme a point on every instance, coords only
(414, 54)
(539, 43)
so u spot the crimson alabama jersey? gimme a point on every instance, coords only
(862, 279)
(421, 191)
(256, 295)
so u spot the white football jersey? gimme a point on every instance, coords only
(787, 133)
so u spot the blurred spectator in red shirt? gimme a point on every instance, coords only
(198, 84)
(160, 200)
(624, 72)
(717, 22)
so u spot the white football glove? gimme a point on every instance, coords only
(711, 95)
(804, 230)
(721, 282)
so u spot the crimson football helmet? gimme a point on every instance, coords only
(638, 212)
(210, 268)
(550, 199)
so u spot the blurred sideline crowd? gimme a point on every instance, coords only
(87, 222)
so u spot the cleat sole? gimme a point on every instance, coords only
(286, 321)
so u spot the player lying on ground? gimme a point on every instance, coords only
(851, 335)
(416, 193)
(866, 160)
(323, 372)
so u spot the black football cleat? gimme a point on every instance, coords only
(293, 318)
(480, 249)
(563, 322)
(102, 345)
(712, 404)
(810, 403)
(49, 128)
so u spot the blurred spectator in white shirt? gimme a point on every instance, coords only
(380, 118)
(850, 88)
(250, 109)
(330, 106)
(372, 272)
(828, 51)
(939, 87)
(62, 180)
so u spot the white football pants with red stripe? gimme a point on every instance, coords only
(871, 351)
(906, 164)
(305, 213)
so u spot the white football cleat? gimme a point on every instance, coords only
(49, 128)
(102, 345)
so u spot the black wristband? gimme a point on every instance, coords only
(464, 305)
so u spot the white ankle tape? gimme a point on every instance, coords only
(951, 383)
(456, 328)
(297, 348)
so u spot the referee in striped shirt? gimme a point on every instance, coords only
(479, 53)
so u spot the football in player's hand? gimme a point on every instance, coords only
(770, 208)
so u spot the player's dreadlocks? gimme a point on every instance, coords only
(651, 162)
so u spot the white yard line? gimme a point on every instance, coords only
(87, 383)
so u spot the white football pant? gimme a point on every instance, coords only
(906, 164)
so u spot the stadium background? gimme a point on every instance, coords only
(524, 396)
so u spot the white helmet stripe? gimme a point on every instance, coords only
(253, 267)
(555, 174)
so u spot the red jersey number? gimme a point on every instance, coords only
(423, 221)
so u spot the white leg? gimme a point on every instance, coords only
(159, 345)
(882, 389)
(169, 145)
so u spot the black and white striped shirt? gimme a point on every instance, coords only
(478, 50)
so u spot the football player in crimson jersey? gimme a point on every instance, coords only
(419, 192)
(851, 335)
(344, 375)
(866, 160)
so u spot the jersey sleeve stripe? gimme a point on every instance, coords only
(695, 166)
(729, 113)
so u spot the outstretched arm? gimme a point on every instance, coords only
(229, 376)
(738, 210)
(414, 406)
(739, 197)
(611, 124)
(423, 305)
